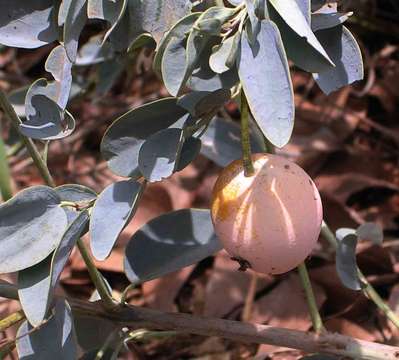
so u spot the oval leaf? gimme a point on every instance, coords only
(159, 154)
(29, 24)
(222, 53)
(169, 243)
(266, 80)
(75, 193)
(55, 339)
(36, 284)
(31, 226)
(112, 211)
(345, 52)
(123, 139)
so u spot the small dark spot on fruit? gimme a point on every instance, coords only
(286, 167)
(244, 264)
(310, 182)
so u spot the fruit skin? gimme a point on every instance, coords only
(270, 221)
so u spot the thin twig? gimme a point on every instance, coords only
(310, 298)
(5, 178)
(11, 320)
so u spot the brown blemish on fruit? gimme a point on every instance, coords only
(244, 264)
(224, 201)
(286, 167)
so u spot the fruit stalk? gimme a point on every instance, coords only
(245, 137)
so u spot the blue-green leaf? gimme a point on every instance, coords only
(346, 259)
(55, 339)
(324, 21)
(199, 103)
(36, 284)
(291, 13)
(305, 7)
(222, 53)
(160, 153)
(75, 21)
(46, 101)
(123, 139)
(110, 11)
(370, 232)
(308, 58)
(222, 142)
(346, 54)
(27, 24)
(48, 121)
(75, 193)
(32, 224)
(169, 243)
(179, 31)
(266, 80)
(112, 211)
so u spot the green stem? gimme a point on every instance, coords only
(269, 146)
(11, 320)
(369, 290)
(96, 277)
(126, 293)
(34, 153)
(245, 137)
(45, 173)
(5, 179)
(310, 298)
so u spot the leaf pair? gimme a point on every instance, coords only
(155, 140)
(183, 54)
(37, 237)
